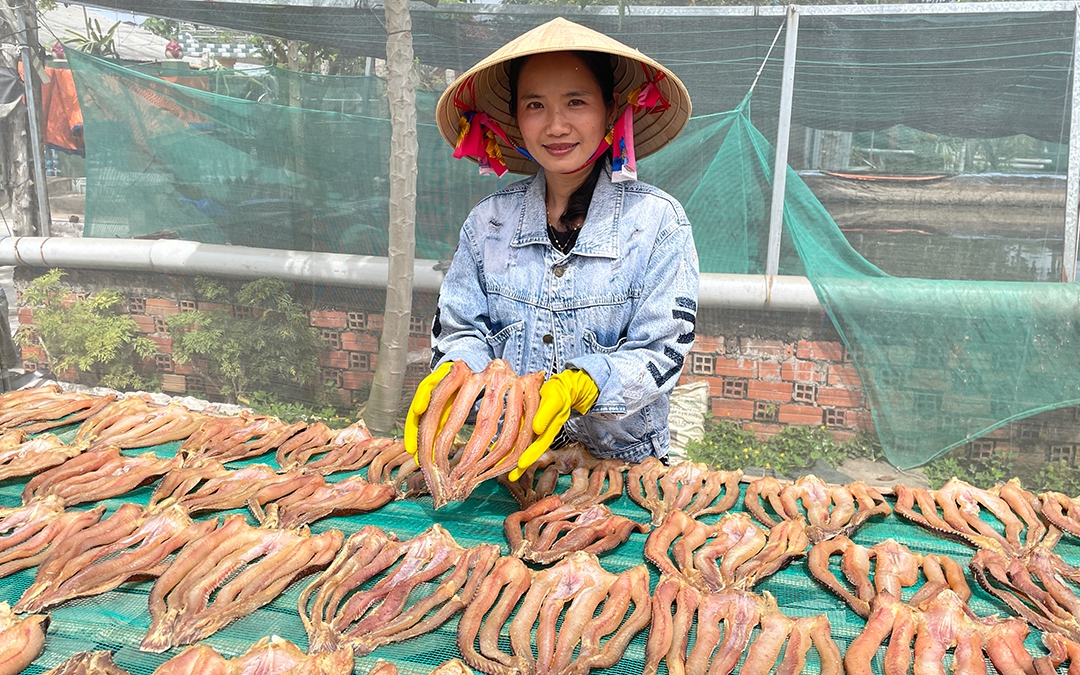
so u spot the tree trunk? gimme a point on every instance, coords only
(382, 407)
(18, 186)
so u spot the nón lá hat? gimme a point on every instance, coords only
(474, 116)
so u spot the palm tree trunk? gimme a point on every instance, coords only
(382, 407)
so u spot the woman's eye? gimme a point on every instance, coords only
(576, 101)
(533, 105)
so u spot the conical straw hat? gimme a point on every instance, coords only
(491, 85)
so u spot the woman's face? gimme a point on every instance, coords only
(560, 111)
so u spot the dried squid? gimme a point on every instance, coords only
(895, 568)
(337, 610)
(593, 480)
(451, 667)
(580, 612)
(242, 567)
(318, 499)
(21, 639)
(502, 433)
(30, 531)
(938, 625)
(97, 474)
(550, 530)
(88, 663)
(269, 656)
(724, 627)
(733, 553)
(130, 544)
(1039, 586)
(134, 422)
(209, 486)
(36, 455)
(44, 408)
(962, 510)
(228, 439)
(691, 487)
(830, 510)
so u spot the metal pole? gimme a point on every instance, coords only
(783, 129)
(1072, 181)
(38, 151)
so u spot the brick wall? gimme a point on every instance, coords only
(765, 370)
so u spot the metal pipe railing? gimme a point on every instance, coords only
(189, 258)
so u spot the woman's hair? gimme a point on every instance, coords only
(603, 72)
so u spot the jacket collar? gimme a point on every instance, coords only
(599, 235)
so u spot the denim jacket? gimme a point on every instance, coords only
(620, 306)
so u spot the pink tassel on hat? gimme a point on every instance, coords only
(645, 98)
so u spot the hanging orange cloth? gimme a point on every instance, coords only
(61, 112)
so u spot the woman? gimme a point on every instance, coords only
(581, 270)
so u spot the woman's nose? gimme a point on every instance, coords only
(558, 125)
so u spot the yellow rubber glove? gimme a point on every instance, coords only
(420, 403)
(570, 389)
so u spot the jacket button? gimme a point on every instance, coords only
(548, 339)
(559, 271)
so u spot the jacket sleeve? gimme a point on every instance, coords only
(461, 325)
(660, 333)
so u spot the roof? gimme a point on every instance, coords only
(133, 43)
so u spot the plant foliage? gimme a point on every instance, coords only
(272, 349)
(87, 334)
(726, 445)
(96, 41)
(999, 467)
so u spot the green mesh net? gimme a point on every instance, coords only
(297, 161)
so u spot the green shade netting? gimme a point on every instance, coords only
(942, 362)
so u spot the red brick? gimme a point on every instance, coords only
(184, 368)
(33, 353)
(164, 344)
(354, 381)
(768, 391)
(799, 414)
(173, 384)
(209, 306)
(161, 307)
(26, 316)
(768, 371)
(861, 419)
(735, 367)
(842, 436)
(328, 318)
(800, 371)
(733, 408)
(419, 344)
(835, 397)
(334, 359)
(765, 348)
(685, 380)
(375, 322)
(764, 430)
(361, 342)
(145, 323)
(846, 376)
(709, 345)
(820, 351)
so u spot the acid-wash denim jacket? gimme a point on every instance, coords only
(620, 306)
